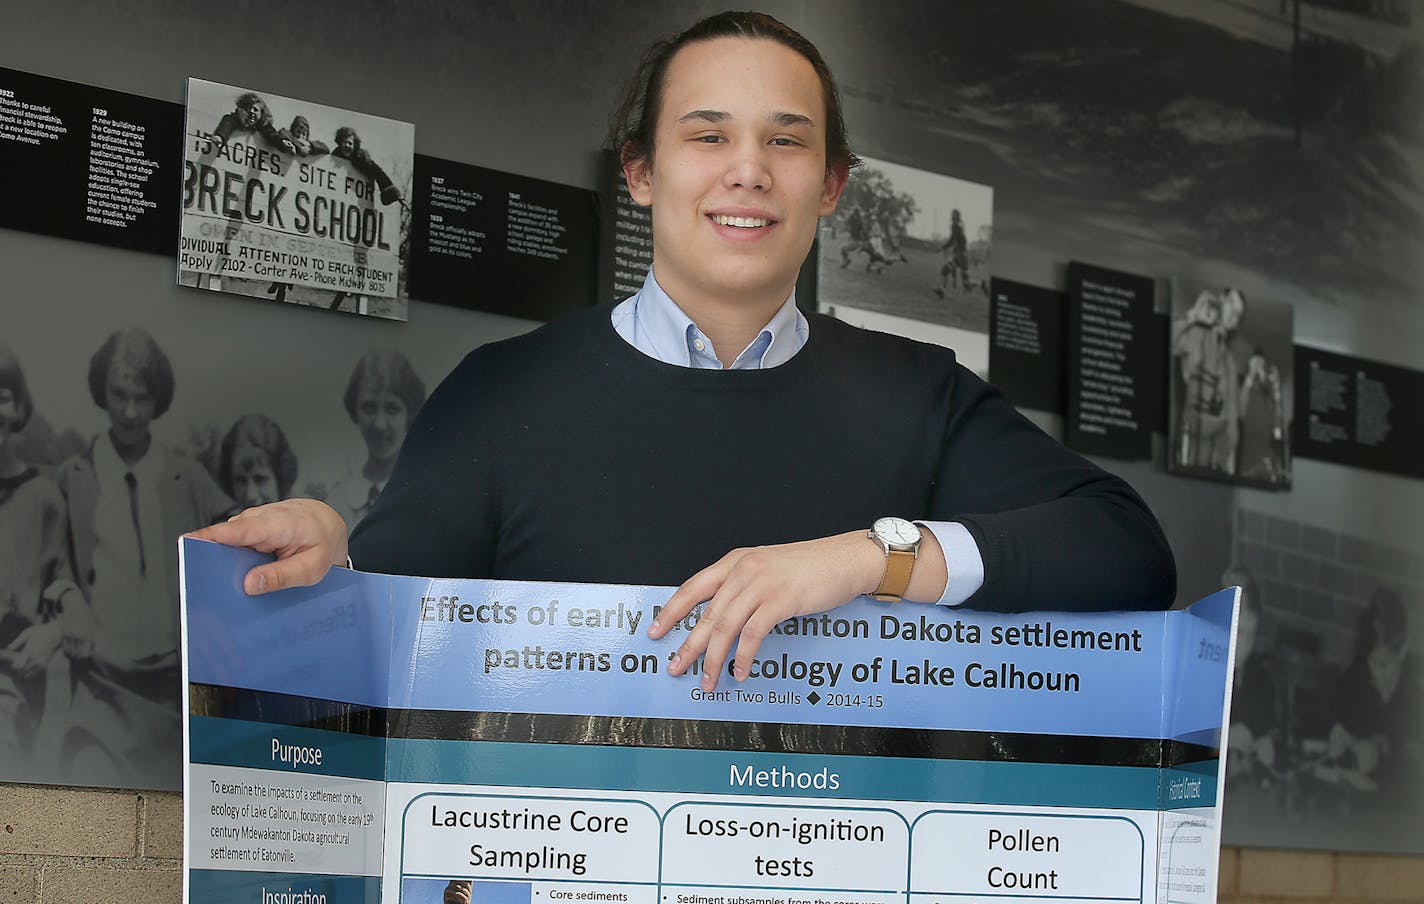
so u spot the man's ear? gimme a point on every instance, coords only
(638, 171)
(836, 179)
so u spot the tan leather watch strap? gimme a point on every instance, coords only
(899, 563)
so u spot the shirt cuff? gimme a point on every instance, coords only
(961, 557)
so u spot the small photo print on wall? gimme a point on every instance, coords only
(907, 252)
(1231, 384)
(295, 201)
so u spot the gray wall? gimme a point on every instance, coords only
(1150, 136)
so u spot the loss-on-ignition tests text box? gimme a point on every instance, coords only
(770, 846)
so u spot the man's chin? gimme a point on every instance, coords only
(753, 284)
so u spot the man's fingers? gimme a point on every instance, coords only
(718, 585)
(715, 634)
(213, 532)
(253, 533)
(701, 586)
(749, 641)
(714, 658)
(301, 570)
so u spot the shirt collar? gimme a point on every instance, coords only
(110, 469)
(652, 323)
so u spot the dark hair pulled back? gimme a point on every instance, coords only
(636, 118)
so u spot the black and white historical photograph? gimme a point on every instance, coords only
(90, 685)
(382, 397)
(295, 201)
(1231, 383)
(907, 252)
(1327, 719)
(134, 434)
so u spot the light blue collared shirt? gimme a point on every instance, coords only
(651, 322)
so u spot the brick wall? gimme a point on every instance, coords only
(1251, 875)
(61, 845)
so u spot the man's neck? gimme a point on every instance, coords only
(731, 323)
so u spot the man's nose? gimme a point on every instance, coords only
(748, 169)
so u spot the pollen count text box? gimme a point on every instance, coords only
(1001, 855)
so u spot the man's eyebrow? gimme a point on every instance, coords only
(790, 119)
(705, 116)
(780, 119)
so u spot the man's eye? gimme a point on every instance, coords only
(710, 139)
(785, 142)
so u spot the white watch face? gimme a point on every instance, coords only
(897, 532)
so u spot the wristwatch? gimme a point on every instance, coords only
(901, 541)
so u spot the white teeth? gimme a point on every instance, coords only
(742, 222)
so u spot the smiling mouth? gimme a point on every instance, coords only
(740, 222)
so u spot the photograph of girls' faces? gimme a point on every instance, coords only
(382, 397)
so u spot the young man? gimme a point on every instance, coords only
(706, 413)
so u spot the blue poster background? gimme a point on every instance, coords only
(581, 649)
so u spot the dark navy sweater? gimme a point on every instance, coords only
(567, 455)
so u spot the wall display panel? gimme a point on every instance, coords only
(503, 243)
(295, 201)
(88, 163)
(1114, 387)
(1027, 344)
(907, 251)
(1231, 384)
(1356, 412)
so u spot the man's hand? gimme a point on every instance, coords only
(307, 536)
(750, 591)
